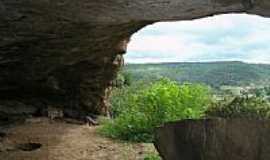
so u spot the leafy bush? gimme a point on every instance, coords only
(139, 110)
(241, 107)
(124, 98)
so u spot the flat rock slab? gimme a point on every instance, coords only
(214, 139)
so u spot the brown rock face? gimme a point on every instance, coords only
(216, 139)
(65, 53)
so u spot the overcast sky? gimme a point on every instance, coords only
(238, 37)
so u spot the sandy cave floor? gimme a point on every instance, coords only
(65, 141)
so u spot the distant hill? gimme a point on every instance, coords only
(214, 74)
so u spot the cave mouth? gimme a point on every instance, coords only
(29, 146)
(225, 37)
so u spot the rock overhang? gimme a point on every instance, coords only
(66, 53)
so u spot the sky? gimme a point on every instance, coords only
(232, 37)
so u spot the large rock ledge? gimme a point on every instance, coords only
(214, 139)
(65, 53)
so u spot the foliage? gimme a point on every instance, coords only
(139, 110)
(214, 74)
(123, 79)
(142, 99)
(241, 107)
(152, 157)
(124, 98)
(261, 92)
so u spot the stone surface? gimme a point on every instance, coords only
(67, 52)
(215, 139)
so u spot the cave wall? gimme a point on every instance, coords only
(65, 53)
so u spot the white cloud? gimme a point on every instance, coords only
(226, 37)
(259, 56)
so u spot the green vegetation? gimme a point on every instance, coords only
(214, 74)
(139, 110)
(142, 99)
(152, 157)
(241, 107)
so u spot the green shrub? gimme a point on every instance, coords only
(241, 107)
(124, 98)
(139, 110)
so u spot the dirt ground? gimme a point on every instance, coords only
(64, 141)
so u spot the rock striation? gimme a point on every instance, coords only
(66, 53)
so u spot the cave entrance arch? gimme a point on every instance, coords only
(67, 53)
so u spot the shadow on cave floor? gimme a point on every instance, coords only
(42, 139)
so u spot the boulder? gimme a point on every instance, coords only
(214, 139)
